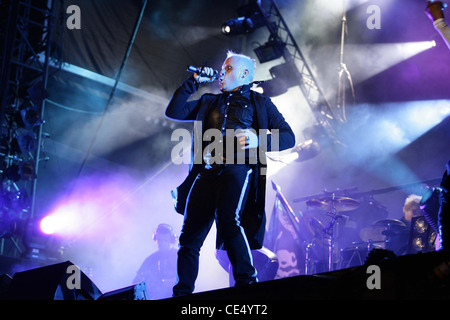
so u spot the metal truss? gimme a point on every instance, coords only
(27, 38)
(279, 32)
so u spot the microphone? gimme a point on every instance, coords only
(258, 82)
(201, 73)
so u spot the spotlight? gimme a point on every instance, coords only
(271, 50)
(249, 19)
(307, 150)
(428, 44)
(272, 88)
(420, 226)
(286, 72)
(284, 76)
(49, 224)
(422, 236)
(370, 60)
(236, 26)
(242, 25)
(418, 244)
(226, 29)
(27, 170)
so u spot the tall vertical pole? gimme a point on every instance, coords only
(50, 24)
(341, 94)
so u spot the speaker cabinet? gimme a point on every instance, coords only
(62, 281)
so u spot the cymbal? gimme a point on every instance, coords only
(389, 223)
(315, 227)
(339, 204)
(372, 233)
(381, 229)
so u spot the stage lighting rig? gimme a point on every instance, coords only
(272, 87)
(422, 236)
(282, 44)
(284, 76)
(249, 19)
(271, 50)
(23, 91)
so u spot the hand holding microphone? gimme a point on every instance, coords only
(204, 74)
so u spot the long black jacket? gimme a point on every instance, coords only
(268, 117)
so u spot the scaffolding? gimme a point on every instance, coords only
(301, 73)
(26, 47)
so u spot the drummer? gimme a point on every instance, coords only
(411, 208)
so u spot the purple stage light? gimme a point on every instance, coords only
(49, 225)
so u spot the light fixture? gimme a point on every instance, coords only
(306, 150)
(249, 19)
(27, 170)
(286, 72)
(272, 87)
(420, 226)
(242, 25)
(284, 76)
(269, 51)
(418, 244)
(422, 236)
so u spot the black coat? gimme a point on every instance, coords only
(268, 117)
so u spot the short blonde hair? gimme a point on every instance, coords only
(411, 202)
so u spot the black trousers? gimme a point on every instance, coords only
(218, 193)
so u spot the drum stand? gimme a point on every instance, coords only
(332, 205)
(308, 247)
(330, 231)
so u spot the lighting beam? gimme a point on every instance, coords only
(372, 59)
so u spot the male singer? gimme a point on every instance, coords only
(225, 190)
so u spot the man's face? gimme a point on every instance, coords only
(231, 75)
(164, 241)
(415, 211)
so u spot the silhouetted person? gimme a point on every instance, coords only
(159, 269)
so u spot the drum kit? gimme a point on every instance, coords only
(383, 233)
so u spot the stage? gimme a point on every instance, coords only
(421, 276)
(89, 157)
